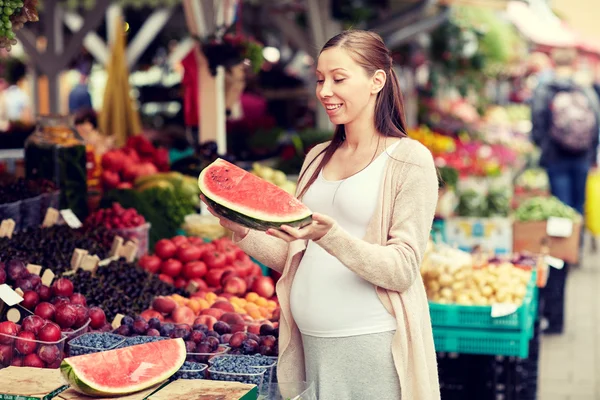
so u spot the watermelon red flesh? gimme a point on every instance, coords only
(126, 370)
(249, 200)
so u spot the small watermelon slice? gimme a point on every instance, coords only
(124, 371)
(248, 200)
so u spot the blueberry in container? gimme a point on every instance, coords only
(135, 340)
(93, 343)
(191, 370)
(260, 362)
(240, 373)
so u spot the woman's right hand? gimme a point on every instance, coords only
(239, 231)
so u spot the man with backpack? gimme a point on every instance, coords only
(566, 126)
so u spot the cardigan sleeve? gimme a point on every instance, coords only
(396, 265)
(269, 250)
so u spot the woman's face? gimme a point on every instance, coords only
(343, 86)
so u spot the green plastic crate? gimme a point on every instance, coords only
(460, 316)
(479, 341)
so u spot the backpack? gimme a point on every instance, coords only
(573, 124)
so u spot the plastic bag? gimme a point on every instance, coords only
(31, 212)
(592, 202)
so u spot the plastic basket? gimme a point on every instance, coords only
(460, 316)
(191, 370)
(473, 341)
(141, 234)
(14, 348)
(77, 348)
(289, 390)
(268, 364)
(254, 377)
(31, 212)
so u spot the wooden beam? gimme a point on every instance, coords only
(28, 40)
(92, 41)
(92, 19)
(149, 30)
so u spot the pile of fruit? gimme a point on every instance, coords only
(56, 313)
(533, 179)
(185, 187)
(216, 266)
(212, 308)
(121, 287)
(115, 217)
(542, 208)
(121, 167)
(452, 279)
(203, 340)
(274, 176)
(52, 247)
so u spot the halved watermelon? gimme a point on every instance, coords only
(248, 200)
(124, 371)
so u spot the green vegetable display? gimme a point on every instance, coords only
(542, 208)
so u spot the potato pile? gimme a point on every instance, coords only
(450, 282)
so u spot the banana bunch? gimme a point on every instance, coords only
(274, 176)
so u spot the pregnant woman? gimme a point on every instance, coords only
(354, 313)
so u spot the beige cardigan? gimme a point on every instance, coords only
(389, 257)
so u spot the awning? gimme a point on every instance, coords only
(539, 27)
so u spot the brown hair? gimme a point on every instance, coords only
(369, 51)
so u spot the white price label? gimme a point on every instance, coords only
(503, 309)
(71, 219)
(554, 262)
(9, 296)
(559, 227)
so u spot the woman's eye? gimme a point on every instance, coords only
(320, 81)
(338, 80)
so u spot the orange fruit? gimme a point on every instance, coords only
(255, 314)
(261, 302)
(272, 304)
(211, 297)
(252, 297)
(203, 304)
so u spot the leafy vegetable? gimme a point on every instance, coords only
(542, 208)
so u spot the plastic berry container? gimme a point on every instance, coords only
(252, 376)
(206, 357)
(191, 370)
(260, 362)
(94, 342)
(19, 352)
(135, 340)
(141, 234)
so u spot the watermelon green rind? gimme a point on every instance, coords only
(239, 213)
(79, 383)
(252, 223)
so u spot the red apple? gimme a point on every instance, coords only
(264, 287)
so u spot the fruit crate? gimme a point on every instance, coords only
(480, 317)
(20, 351)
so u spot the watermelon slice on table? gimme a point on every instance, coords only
(124, 371)
(246, 199)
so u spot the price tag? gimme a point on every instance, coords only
(107, 261)
(503, 309)
(71, 219)
(47, 277)
(34, 269)
(554, 262)
(117, 321)
(192, 287)
(115, 249)
(51, 217)
(13, 315)
(77, 258)
(559, 227)
(7, 227)
(90, 263)
(9, 296)
(129, 251)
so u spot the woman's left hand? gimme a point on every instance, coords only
(320, 225)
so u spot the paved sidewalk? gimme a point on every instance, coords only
(570, 363)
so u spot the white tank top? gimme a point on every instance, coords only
(327, 299)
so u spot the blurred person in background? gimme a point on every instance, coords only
(566, 122)
(15, 104)
(86, 124)
(79, 97)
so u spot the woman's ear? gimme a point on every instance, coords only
(379, 79)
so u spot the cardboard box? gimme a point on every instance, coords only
(24, 383)
(532, 236)
(488, 234)
(199, 389)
